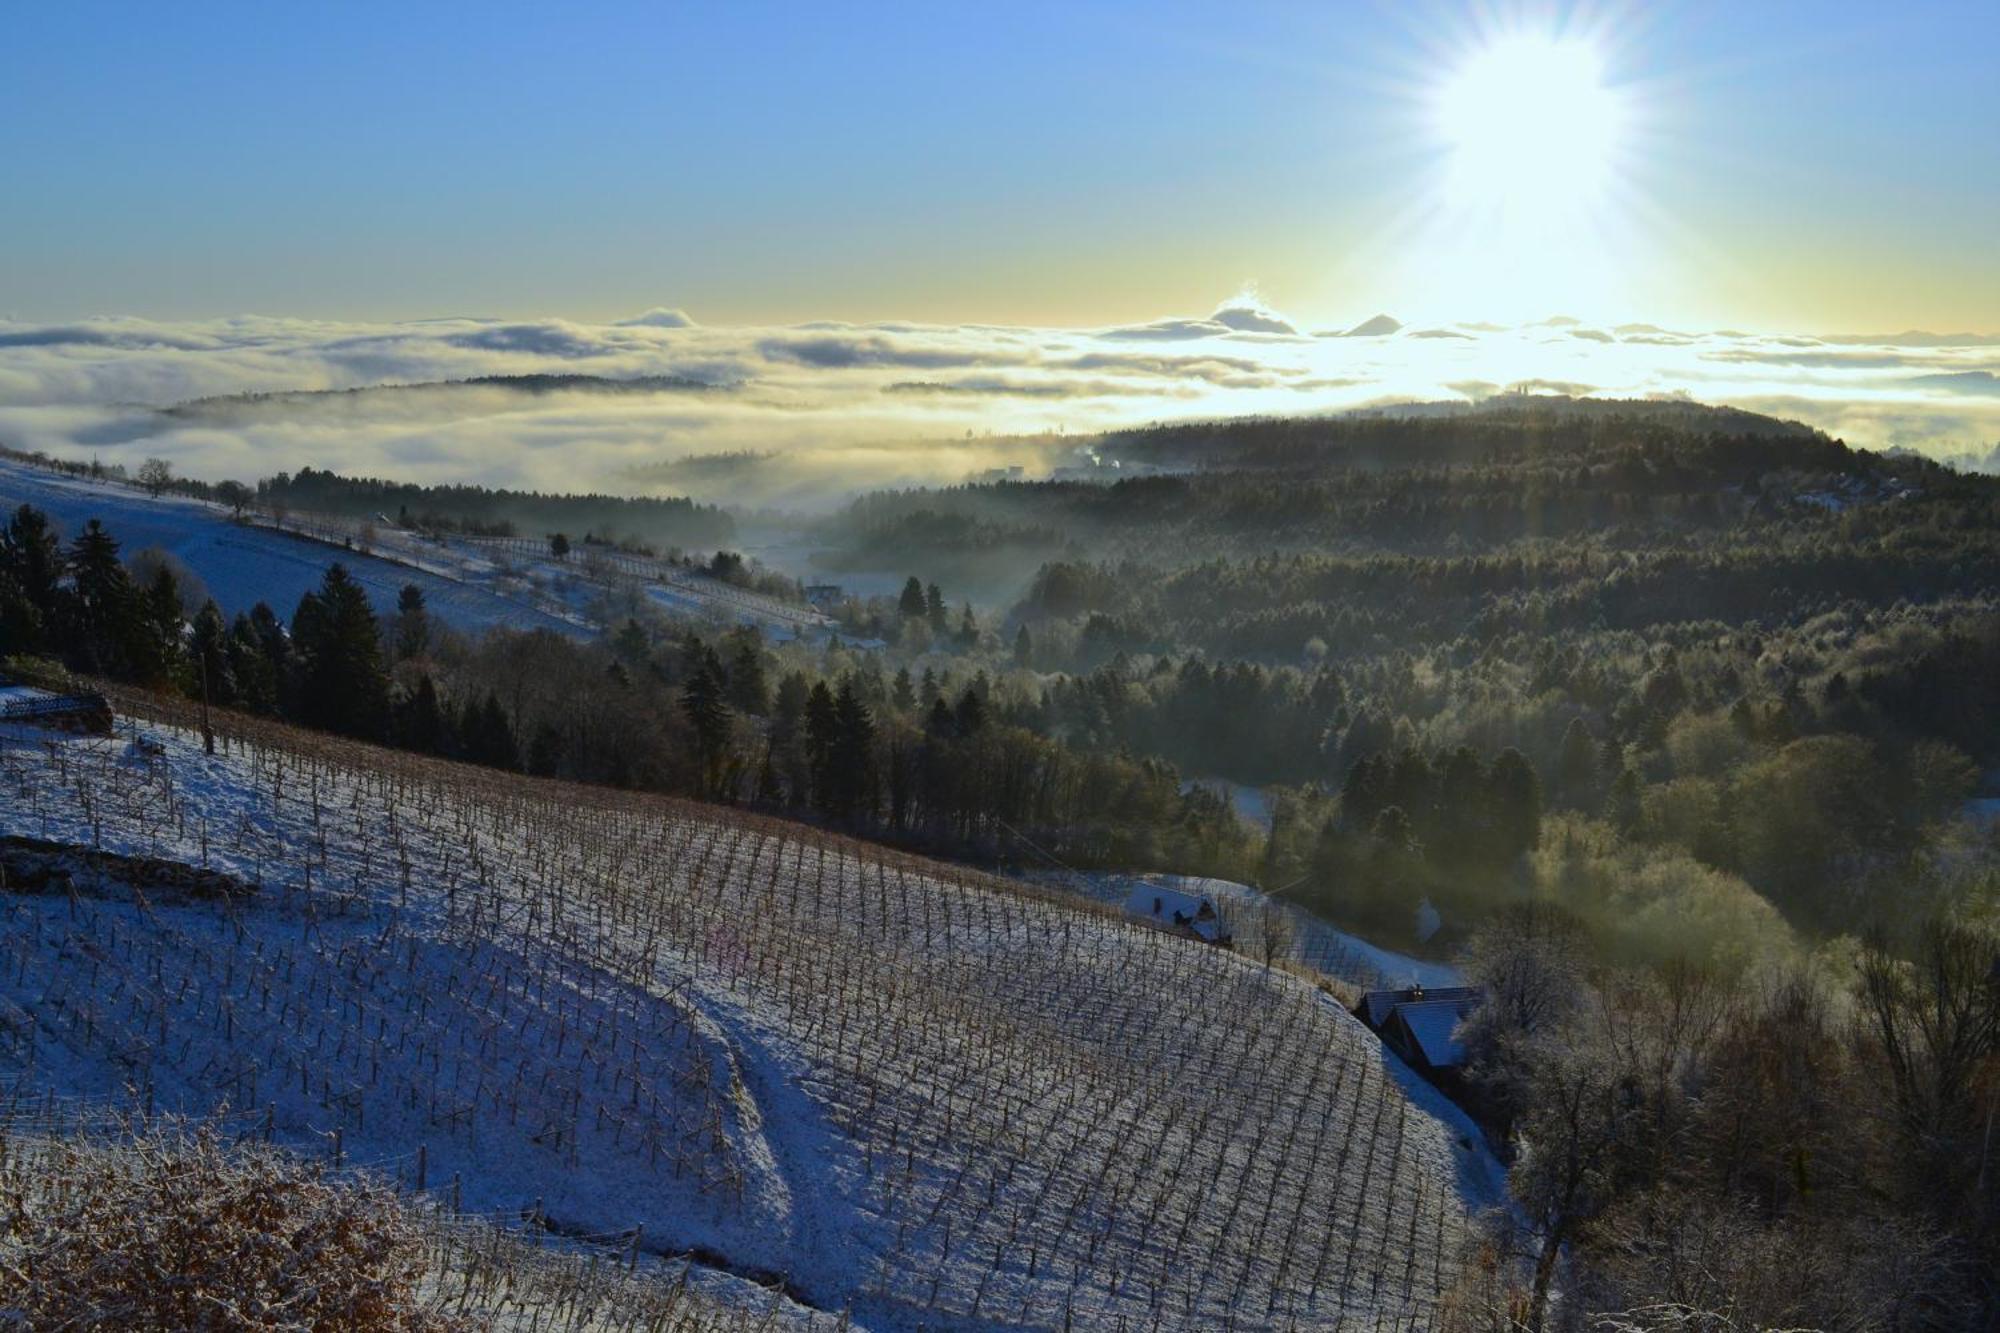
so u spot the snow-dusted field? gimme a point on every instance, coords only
(470, 583)
(243, 565)
(1307, 939)
(926, 1096)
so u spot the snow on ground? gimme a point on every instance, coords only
(1310, 939)
(243, 565)
(1252, 804)
(471, 583)
(928, 1096)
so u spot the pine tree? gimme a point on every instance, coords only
(912, 605)
(488, 735)
(421, 723)
(970, 716)
(1517, 804)
(413, 623)
(209, 655)
(281, 672)
(31, 567)
(1622, 805)
(934, 608)
(1024, 648)
(343, 687)
(788, 714)
(631, 643)
(1579, 762)
(851, 762)
(101, 605)
(821, 722)
(749, 692)
(705, 703)
(250, 670)
(545, 751)
(903, 694)
(156, 654)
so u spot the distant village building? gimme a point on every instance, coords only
(1421, 1025)
(1171, 909)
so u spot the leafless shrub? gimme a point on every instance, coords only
(173, 1230)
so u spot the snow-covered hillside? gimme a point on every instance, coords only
(243, 564)
(931, 1097)
(471, 583)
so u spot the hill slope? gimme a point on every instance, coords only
(932, 1097)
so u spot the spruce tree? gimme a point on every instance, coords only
(101, 604)
(413, 623)
(343, 686)
(705, 703)
(912, 604)
(852, 761)
(821, 721)
(1517, 804)
(209, 656)
(749, 692)
(31, 566)
(156, 653)
(1579, 762)
(421, 723)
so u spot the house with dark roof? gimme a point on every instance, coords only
(1421, 1025)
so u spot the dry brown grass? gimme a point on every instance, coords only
(175, 1230)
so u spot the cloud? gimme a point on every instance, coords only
(842, 407)
(848, 350)
(1171, 330)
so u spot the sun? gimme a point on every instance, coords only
(1533, 201)
(1530, 127)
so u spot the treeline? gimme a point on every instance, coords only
(899, 760)
(675, 521)
(1419, 487)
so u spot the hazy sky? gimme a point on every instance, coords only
(1822, 167)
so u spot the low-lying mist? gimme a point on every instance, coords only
(813, 414)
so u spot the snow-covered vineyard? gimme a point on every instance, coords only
(903, 1090)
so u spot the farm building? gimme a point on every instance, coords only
(1172, 909)
(1421, 1025)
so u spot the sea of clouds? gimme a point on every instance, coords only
(834, 408)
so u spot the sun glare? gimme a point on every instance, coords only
(1531, 127)
(1532, 207)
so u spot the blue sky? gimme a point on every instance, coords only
(1824, 167)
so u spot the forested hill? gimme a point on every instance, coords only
(291, 401)
(1507, 428)
(1508, 479)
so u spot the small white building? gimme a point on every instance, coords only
(1172, 909)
